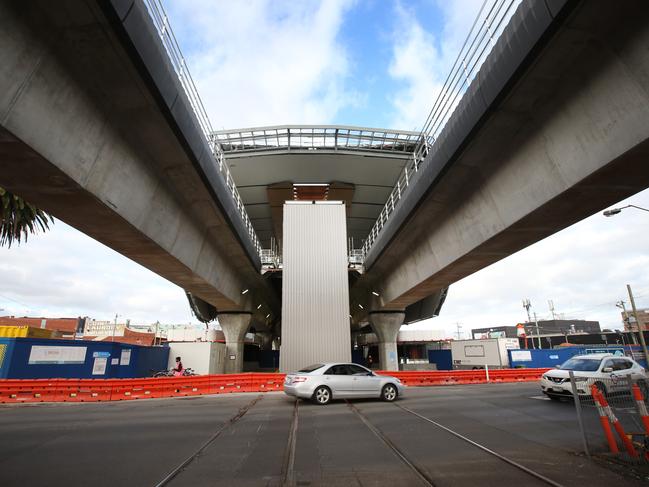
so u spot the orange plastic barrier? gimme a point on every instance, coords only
(603, 419)
(626, 441)
(477, 376)
(87, 390)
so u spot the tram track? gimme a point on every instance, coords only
(423, 477)
(185, 463)
(505, 459)
(288, 472)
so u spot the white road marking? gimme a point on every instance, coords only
(541, 398)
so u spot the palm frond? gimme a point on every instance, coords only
(19, 219)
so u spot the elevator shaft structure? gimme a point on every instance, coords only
(315, 289)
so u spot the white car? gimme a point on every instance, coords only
(324, 382)
(607, 371)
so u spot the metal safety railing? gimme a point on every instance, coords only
(317, 137)
(487, 27)
(170, 43)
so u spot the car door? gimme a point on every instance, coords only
(366, 384)
(339, 379)
(623, 369)
(617, 378)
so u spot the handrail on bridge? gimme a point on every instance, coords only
(487, 27)
(161, 22)
(317, 137)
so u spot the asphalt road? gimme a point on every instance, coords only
(272, 442)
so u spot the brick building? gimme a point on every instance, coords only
(630, 323)
(67, 326)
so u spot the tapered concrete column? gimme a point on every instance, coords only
(234, 326)
(386, 325)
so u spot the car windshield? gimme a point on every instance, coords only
(582, 364)
(310, 368)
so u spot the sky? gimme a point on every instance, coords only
(372, 63)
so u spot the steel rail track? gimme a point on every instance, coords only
(288, 475)
(171, 475)
(511, 462)
(423, 477)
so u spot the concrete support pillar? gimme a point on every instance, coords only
(386, 325)
(234, 326)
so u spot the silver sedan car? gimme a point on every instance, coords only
(324, 382)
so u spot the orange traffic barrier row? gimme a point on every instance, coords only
(90, 390)
(476, 376)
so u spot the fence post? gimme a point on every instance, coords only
(577, 401)
(486, 369)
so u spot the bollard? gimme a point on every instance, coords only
(642, 411)
(603, 419)
(642, 407)
(628, 444)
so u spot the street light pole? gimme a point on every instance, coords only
(640, 332)
(114, 326)
(615, 211)
(538, 334)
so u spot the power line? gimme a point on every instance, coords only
(18, 302)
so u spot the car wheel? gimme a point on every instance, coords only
(322, 395)
(389, 393)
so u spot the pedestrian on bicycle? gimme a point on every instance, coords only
(178, 369)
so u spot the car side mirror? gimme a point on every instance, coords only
(606, 370)
(370, 374)
(557, 366)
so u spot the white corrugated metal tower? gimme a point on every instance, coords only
(315, 290)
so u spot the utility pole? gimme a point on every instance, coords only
(621, 305)
(640, 332)
(538, 335)
(114, 326)
(551, 306)
(458, 326)
(527, 305)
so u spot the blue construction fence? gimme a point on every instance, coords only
(34, 358)
(548, 358)
(443, 359)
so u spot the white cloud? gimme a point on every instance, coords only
(417, 64)
(266, 62)
(421, 61)
(66, 273)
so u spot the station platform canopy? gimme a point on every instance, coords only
(358, 165)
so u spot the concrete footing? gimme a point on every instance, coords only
(386, 325)
(234, 326)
